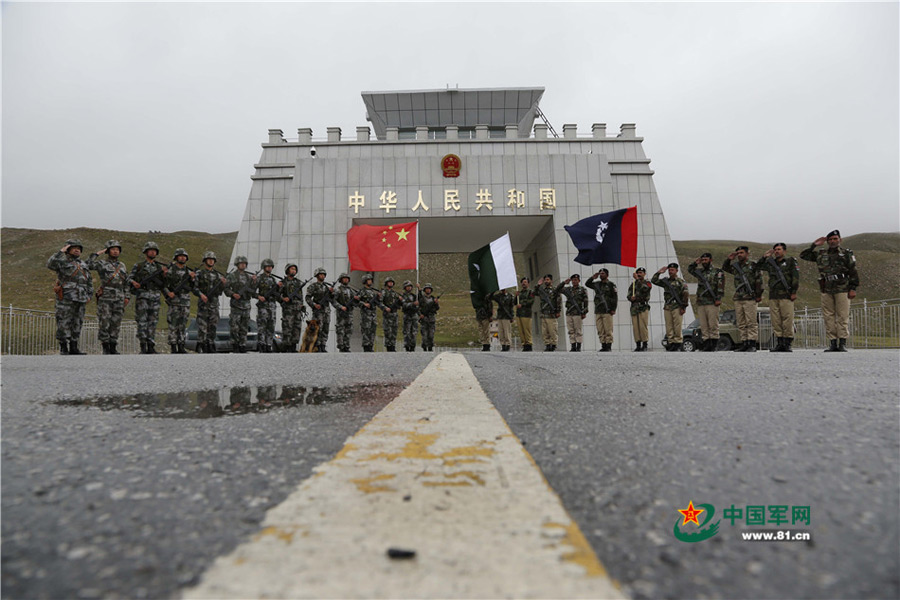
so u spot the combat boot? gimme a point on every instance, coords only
(526, 348)
(833, 347)
(105, 347)
(504, 348)
(485, 347)
(173, 348)
(552, 347)
(842, 345)
(64, 348)
(637, 347)
(73, 348)
(573, 348)
(787, 344)
(779, 345)
(643, 346)
(607, 347)
(391, 348)
(751, 346)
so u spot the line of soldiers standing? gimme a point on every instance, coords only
(149, 281)
(838, 280)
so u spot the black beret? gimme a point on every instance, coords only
(673, 265)
(706, 255)
(641, 270)
(835, 232)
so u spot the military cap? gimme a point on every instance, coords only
(289, 265)
(428, 286)
(745, 248)
(209, 254)
(833, 233)
(549, 275)
(706, 255)
(523, 279)
(240, 259)
(150, 246)
(782, 244)
(342, 275)
(74, 242)
(113, 244)
(407, 283)
(319, 271)
(640, 270)
(267, 263)
(575, 276)
(673, 266)
(391, 279)
(179, 252)
(604, 270)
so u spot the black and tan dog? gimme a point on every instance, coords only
(310, 336)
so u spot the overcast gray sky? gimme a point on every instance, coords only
(764, 122)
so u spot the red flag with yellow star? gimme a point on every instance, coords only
(383, 247)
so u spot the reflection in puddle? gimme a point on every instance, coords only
(220, 402)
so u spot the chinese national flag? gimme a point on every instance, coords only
(383, 247)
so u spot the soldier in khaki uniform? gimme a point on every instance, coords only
(639, 296)
(505, 315)
(784, 281)
(838, 281)
(524, 308)
(484, 314)
(549, 312)
(675, 298)
(710, 291)
(747, 294)
(606, 298)
(576, 309)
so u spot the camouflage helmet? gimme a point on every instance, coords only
(367, 277)
(342, 275)
(240, 259)
(74, 242)
(289, 265)
(180, 252)
(391, 279)
(320, 271)
(267, 263)
(113, 244)
(150, 246)
(428, 286)
(209, 254)
(407, 283)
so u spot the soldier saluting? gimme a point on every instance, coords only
(838, 281)
(606, 297)
(73, 291)
(710, 291)
(147, 283)
(639, 296)
(111, 295)
(784, 281)
(675, 302)
(747, 293)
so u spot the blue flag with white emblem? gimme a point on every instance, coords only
(609, 238)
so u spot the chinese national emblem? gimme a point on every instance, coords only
(450, 165)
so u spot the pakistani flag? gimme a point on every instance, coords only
(491, 268)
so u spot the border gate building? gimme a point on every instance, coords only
(513, 175)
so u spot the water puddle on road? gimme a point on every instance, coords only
(222, 402)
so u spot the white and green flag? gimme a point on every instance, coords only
(491, 268)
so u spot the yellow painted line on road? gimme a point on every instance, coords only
(439, 472)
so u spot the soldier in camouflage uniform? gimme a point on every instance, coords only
(484, 314)
(73, 291)
(606, 298)
(410, 301)
(391, 304)
(267, 295)
(345, 299)
(838, 281)
(208, 286)
(784, 281)
(428, 308)
(318, 296)
(369, 301)
(111, 295)
(747, 293)
(639, 296)
(710, 292)
(505, 315)
(524, 310)
(240, 286)
(576, 309)
(179, 283)
(147, 283)
(292, 308)
(549, 312)
(675, 303)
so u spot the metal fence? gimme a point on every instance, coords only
(872, 325)
(33, 332)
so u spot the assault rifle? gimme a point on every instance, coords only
(744, 282)
(298, 294)
(697, 273)
(781, 279)
(246, 292)
(216, 288)
(184, 279)
(599, 294)
(668, 285)
(161, 270)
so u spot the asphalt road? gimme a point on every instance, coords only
(135, 496)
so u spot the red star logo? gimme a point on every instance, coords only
(690, 514)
